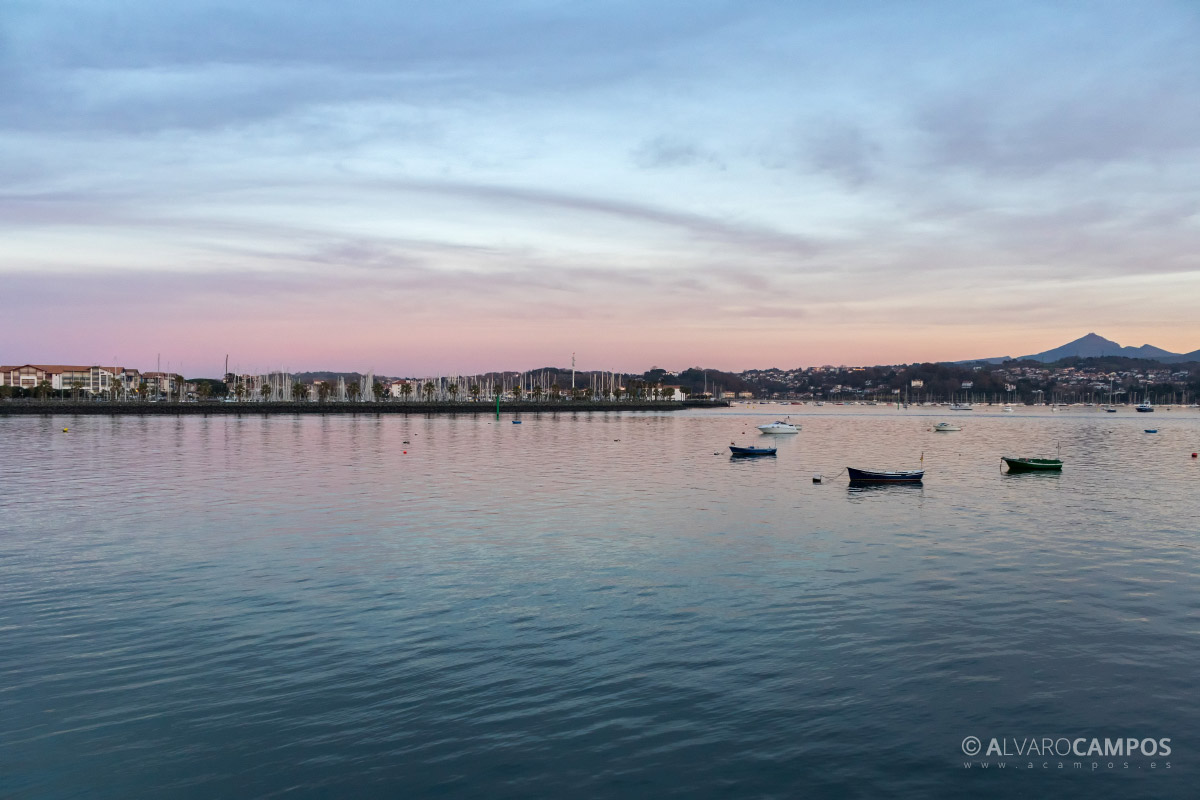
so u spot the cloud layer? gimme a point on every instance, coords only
(427, 188)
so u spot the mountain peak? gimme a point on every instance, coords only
(1093, 345)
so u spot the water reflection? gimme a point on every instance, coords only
(432, 606)
(897, 487)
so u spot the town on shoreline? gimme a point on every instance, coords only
(1102, 380)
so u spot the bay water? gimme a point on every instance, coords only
(597, 605)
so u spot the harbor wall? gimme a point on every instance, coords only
(94, 408)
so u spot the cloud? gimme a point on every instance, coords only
(549, 164)
(845, 151)
(1139, 102)
(672, 151)
(140, 67)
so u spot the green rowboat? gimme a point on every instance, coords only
(1032, 464)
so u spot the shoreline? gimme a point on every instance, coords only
(52, 407)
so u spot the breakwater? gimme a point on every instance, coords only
(35, 408)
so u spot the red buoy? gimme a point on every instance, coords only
(1193, 455)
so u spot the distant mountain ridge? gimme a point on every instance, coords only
(1094, 345)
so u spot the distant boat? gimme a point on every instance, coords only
(751, 451)
(961, 407)
(873, 476)
(779, 426)
(1032, 464)
(1144, 407)
(1007, 409)
(1111, 410)
(945, 427)
(1151, 430)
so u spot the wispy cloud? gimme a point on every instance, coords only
(695, 177)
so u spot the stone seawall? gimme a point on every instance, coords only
(28, 408)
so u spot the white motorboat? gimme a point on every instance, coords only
(1007, 409)
(961, 407)
(945, 427)
(779, 426)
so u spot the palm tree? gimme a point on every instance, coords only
(43, 389)
(453, 390)
(353, 390)
(239, 390)
(669, 392)
(323, 391)
(684, 391)
(299, 392)
(516, 392)
(429, 390)
(406, 389)
(554, 390)
(537, 393)
(265, 391)
(380, 394)
(475, 389)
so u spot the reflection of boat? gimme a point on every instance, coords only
(779, 426)
(861, 487)
(945, 427)
(751, 451)
(872, 476)
(1032, 464)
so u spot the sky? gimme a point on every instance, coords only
(446, 188)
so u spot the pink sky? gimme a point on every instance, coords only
(740, 186)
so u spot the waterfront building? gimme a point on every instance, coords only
(90, 379)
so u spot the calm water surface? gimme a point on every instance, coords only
(593, 606)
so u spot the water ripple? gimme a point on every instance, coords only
(590, 605)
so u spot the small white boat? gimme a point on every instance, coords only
(1007, 409)
(779, 426)
(961, 407)
(945, 427)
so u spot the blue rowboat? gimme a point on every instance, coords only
(751, 451)
(872, 476)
